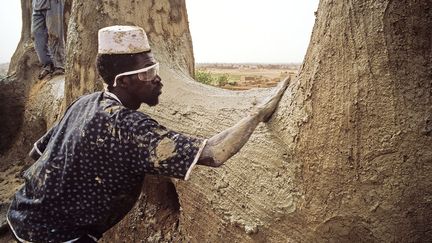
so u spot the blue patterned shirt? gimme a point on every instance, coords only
(92, 167)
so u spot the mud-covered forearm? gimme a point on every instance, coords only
(224, 145)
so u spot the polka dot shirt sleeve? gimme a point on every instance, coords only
(41, 144)
(165, 152)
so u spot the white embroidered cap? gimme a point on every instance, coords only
(120, 39)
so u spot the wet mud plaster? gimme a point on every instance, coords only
(164, 150)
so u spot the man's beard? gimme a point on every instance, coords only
(153, 101)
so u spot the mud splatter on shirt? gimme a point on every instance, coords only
(92, 167)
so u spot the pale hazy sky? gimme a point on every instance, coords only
(10, 28)
(272, 31)
(251, 30)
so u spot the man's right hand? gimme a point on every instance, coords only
(224, 145)
(269, 105)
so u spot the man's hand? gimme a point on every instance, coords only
(268, 106)
(224, 145)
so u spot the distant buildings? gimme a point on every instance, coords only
(243, 76)
(287, 66)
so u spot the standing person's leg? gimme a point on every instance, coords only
(40, 35)
(56, 42)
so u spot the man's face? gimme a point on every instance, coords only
(141, 90)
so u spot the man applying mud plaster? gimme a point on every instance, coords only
(90, 167)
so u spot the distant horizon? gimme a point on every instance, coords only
(269, 63)
(249, 63)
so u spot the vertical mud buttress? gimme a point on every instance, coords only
(22, 121)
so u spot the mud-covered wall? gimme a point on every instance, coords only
(365, 145)
(346, 157)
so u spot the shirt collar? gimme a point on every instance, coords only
(111, 95)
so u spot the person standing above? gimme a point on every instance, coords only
(90, 167)
(48, 33)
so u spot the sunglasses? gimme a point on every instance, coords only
(146, 74)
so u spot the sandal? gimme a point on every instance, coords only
(58, 71)
(46, 70)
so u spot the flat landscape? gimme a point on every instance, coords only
(243, 76)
